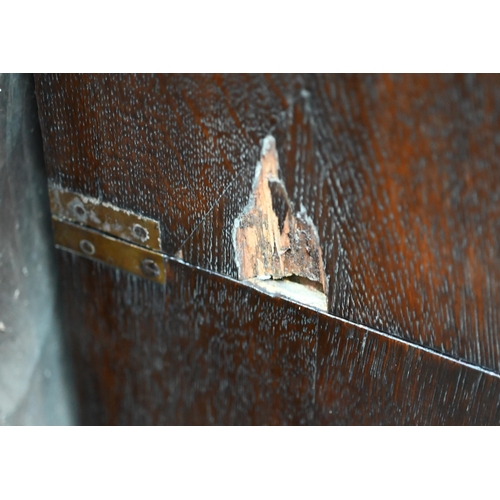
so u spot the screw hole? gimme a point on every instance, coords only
(150, 268)
(140, 232)
(87, 248)
(78, 209)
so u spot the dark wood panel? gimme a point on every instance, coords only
(401, 175)
(165, 146)
(203, 350)
(209, 350)
(366, 378)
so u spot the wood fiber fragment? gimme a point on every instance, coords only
(271, 240)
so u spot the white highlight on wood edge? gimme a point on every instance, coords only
(291, 290)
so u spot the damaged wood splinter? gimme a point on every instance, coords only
(270, 239)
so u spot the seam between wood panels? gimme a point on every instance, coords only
(430, 350)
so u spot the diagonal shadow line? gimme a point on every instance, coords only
(320, 313)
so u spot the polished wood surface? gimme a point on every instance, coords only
(163, 146)
(400, 175)
(209, 350)
(202, 350)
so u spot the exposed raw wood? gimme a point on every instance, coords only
(303, 293)
(271, 240)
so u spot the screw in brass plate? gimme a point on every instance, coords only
(78, 209)
(140, 232)
(150, 268)
(87, 248)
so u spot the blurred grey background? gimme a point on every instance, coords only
(35, 380)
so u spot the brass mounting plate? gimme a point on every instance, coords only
(105, 217)
(112, 251)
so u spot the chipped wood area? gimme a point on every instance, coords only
(272, 240)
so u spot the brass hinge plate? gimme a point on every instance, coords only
(104, 217)
(106, 233)
(105, 248)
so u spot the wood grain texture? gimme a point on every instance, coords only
(400, 174)
(269, 239)
(207, 350)
(367, 378)
(200, 351)
(165, 146)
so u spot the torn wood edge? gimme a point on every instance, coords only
(274, 242)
